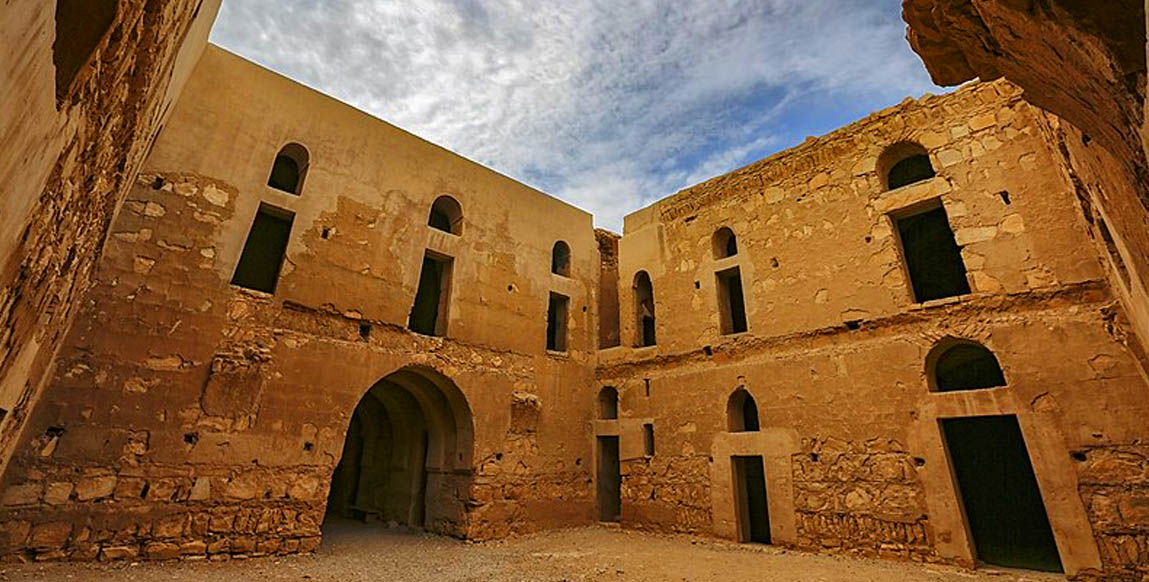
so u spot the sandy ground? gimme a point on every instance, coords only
(353, 552)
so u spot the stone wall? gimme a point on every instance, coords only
(836, 351)
(70, 156)
(189, 417)
(1084, 62)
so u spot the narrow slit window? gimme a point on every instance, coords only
(429, 313)
(644, 310)
(80, 26)
(933, 258)
(648, 439)
(289, 169)
(263, 252)
(557, 312)
(731, 303)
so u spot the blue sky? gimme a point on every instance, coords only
(608, 104)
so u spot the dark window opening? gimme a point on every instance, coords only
(648, 439)
(561, 259)
(429, 312)
(999, 491)
(903, 164)
(557, 312)
(750, 499)
(609, 479)
(742, 412)
(966, 366)
(608, 403)
(644, 309)
(731, 303)
(263, 253)
(446, 215)
(289, 169)
(725, 243)
(80, 26)
(932, 256)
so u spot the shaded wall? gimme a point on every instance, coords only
(70, 156)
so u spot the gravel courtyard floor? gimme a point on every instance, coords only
(352, 552)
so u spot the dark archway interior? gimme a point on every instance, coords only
(289, 168)
(967, 366)
(742, 412)
(725, 243)
(999, 491)
(446, 215)
(561, 259)
(912, 169)
(609, 479)
(406, 457)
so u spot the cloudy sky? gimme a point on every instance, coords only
(608, 104)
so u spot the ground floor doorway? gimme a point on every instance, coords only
(406, 456)
(750, 499)
(999, 491)
(609, 479)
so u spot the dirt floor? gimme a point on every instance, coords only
(352, 552)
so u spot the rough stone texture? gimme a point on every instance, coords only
(836, 349)
(69, 158)
(1084, 62)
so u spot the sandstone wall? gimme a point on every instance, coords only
(835, 354)
(69, 158)
(190, 417)
(1084, 62)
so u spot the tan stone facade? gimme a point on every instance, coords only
(758, 357)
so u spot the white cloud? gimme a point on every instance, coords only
(607, 104)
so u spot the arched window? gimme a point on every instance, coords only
(289, 169)
(561, 259)
(741, 412)
(725, 243)
(608, 403)
(446, 215)
(904, 163)
(644, 309)
(956, 364)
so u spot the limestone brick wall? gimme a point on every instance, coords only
(69, 159)
(835, 353)
(187, 417)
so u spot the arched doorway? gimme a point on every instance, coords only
(407, 455)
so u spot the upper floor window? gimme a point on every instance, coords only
(561, 259)
(963, 365)
(263, 251)
(608, 403)
(289, 169)
(80, 26)
(725, 243)
(741, 412)
(933, 258)
(446, 215)
(905, 163)
(644, 309)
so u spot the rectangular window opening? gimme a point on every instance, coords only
(731, 303)
(932, 256)
(429, 313)
(264, 250)
(648, 439)
(80, 26)
(557, 313)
